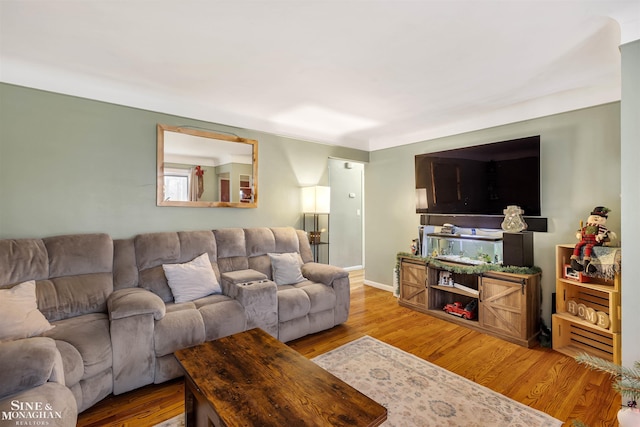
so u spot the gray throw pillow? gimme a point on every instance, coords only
(192, 280)
(285, 268)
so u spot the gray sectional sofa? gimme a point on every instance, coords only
(116, 322)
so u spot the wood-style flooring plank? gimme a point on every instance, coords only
(538, 377)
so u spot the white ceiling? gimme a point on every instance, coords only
(358, 73)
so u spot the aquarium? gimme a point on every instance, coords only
(465, 249)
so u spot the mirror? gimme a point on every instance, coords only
(199, 168)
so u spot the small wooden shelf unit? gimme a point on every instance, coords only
(317, 225)
(508, 304)
(571, 334)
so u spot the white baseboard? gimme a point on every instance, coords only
(354, 268)
(382, 286)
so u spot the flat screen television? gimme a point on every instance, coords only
(480, 180)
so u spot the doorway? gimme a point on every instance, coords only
(346, 222)
(225, 190)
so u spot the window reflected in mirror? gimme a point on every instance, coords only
(202, 168)
(177, 183)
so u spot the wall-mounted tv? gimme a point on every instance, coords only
(480, 180)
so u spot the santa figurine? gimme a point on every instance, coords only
(594, 233)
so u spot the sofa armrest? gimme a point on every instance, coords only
(257, 295)
(323, 273)
(338, 279)
(135, 301)
(56, 399)
(259, 298)
(133, 313)
(232, 278)
(29, 363)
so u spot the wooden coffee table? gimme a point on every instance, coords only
(252, 379)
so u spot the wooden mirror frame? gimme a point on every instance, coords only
(219, 137)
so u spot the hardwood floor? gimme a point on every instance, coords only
(538, 377)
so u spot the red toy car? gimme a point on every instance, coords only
(468, 312)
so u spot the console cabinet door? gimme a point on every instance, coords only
(503, 306)
(413, 284)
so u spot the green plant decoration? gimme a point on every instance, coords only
(468, 269)
(626, 381)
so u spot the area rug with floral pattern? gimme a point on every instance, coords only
(418, 393)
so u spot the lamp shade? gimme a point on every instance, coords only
(316, 199)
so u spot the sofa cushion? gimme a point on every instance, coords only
(286, 239)
(94, 389)
(292, 303)
(210, 300)
(22, 260)
(171, 307)
(286, 268)
(71, 362)
(79, 254)
(224, 317)
(305, 247)
(232, 252)
(194, 243)
(260, 241)
(230, 242)
(89, 334)
(79, 279)
(19, 314)
(262, 264)
(63, 297)
(178, 329)
(294, 328)
(322, 297)
(192, 280)
(125, 270)
(152, 250)
(154, 280)
(155, 249)
(73, 273)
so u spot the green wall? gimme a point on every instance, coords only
(580, 168)
(72, 165)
